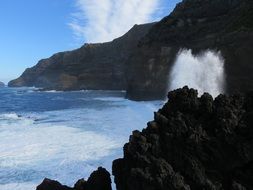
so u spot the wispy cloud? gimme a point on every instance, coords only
(105, 20)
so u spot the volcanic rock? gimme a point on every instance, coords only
(49, 184)
(193, 143)
(98, 180)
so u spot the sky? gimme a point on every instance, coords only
(31, 30)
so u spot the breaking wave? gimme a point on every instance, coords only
(204, 72)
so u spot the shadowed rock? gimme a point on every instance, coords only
(193, 143)
(141, 60)
(98, 180)
(49, 184)
(200, 25)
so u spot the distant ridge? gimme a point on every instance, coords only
(97, 66)
(2, 84)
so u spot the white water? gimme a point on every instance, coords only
(66, 144)
(204, 72)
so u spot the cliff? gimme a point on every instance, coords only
(93, 66)
(221, 25)
(98, 180)
(2, 84)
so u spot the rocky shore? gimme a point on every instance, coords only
(193, 143)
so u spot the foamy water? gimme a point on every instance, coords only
(204, 72)
(63, 136)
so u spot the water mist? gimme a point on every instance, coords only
(204, 72)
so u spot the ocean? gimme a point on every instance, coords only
(63, 135)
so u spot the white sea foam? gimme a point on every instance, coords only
(52, 91)
(204, 72)
(111, 99)
(18, 186)
(66, 145)
(9, 116)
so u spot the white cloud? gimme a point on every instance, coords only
(105, 20)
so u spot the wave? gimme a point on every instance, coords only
(66, 144)
(204, 72)
(111, 99)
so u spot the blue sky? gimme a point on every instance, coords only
(34, 29)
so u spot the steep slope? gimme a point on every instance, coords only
(93, 66)
(221, 25)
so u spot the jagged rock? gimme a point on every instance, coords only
(81, 184)
(193, 143)
(98, 180)
(49, 184)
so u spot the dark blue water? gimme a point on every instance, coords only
(32, 100)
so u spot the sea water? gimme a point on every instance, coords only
(63, 135)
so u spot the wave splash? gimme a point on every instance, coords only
(204, 72)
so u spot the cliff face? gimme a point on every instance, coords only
(222, 25)
(93, 66)
(2, 84)
(193, 143)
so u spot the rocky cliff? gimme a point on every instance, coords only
(194, 143)
(221, 25)
(93, 66)
(2, 84)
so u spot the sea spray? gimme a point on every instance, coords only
(204, 72)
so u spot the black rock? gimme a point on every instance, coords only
(193, 143)
(49, 184)
(98, 180)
